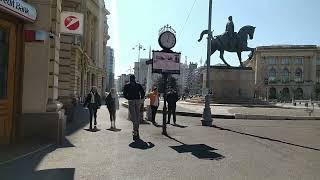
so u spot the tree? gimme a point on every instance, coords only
(171, 83)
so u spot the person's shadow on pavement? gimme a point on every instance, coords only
(93, 130)
(140, 144)
(179, 126)
(114, 129)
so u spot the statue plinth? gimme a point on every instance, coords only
(231, 83)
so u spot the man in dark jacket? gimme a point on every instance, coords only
(172, 98)
(135, 94)
(93, 102)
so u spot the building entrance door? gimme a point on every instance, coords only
(7, 64)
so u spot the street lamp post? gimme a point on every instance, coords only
(140, 47)
(207, 119)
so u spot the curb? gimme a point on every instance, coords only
(242, 116)
(267, 117)
(219, 116)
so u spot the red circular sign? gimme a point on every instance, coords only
(72, 23)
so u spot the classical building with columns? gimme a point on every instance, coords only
(286, 72)
(40, 67)
(82, 58)
(29, 70)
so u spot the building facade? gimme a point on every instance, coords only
(110, 63)
(29, 70)
(141, 71)
(82, 58)
(121, 81)
(40, 67)
(286, 72)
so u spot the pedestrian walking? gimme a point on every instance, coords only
(154, 104)
(93, 102)
(112, 102)
(172, 98)
(135, 94)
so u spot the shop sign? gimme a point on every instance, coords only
(20, 9)
(71, 23)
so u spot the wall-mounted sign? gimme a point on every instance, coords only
(20, 9)
(71, 23)
(164, 62)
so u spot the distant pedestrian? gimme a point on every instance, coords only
(135, 94)
(172, 98)
(112, 102)
(154, 104)
(93, 102)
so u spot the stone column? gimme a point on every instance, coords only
(53, 105)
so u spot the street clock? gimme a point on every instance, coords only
(167, 37)
(167, 40)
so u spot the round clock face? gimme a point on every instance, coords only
(167, 40)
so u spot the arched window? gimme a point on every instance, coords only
(272, 93)
(298, 75)
(299, 93)
(285, 95)
(272, 74)
(285, 75)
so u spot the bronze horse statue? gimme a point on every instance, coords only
(237, 43)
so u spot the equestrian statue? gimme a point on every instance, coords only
(231, 41)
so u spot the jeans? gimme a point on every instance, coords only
(134, 110)
(172, 110)
(112, 113)
(93, 114)
(153, 113)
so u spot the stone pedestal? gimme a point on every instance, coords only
(233, 83)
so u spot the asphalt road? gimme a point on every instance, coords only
(235, 149)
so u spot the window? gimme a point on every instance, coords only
(298, 75)
(318, 76)
(272, 75)
(285, 75)
(285, 61)
(272, 61)
(272, 93)
(318, 61)
(299, 61)
(3, 62)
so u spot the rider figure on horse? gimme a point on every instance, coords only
(230, 32)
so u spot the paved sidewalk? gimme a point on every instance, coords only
(239, 149)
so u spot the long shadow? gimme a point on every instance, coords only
(114, 129)
(79, 121)
(201, 151)
(93, 130)
(266, 138)
(179, 126)
(140, 144)
(25, 168)
(157, 125)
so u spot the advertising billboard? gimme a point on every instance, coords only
(164, 62)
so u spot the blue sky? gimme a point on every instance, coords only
(138, 21)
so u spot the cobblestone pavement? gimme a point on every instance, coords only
(235, 149)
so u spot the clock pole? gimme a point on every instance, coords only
(166, 48)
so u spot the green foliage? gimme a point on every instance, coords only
(171, 83)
